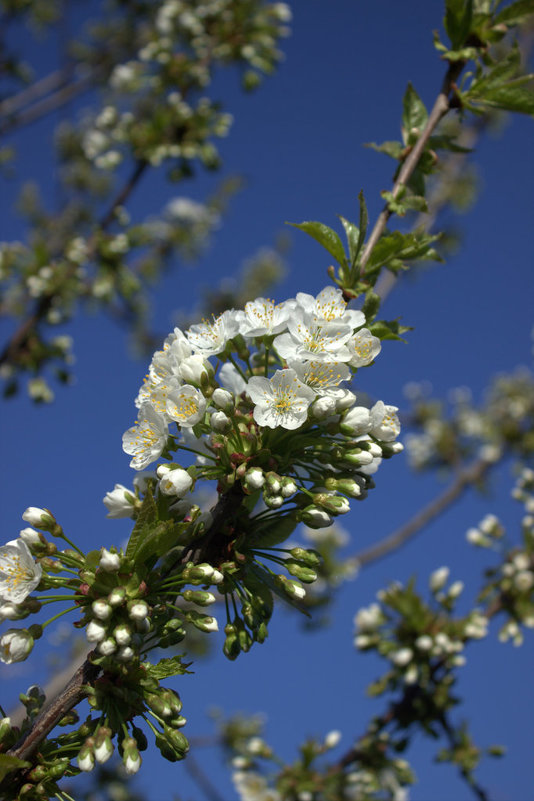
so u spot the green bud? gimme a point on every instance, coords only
(291, 587)
(199, 597)
(307, 556)
(305, 574)
(202, 622)
(231, 647)
(334, 504)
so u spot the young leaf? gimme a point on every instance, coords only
(353, 237)
(457, 21)
(390, 148)
(326, 237)
(171, 666)
(155, 541)
(147, 515)
(271, 533)
(414, 113)
(9, 763)
(515, 14)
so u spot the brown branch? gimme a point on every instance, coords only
(54, 101)
(67, 699)
(441, 106)
(465, 478)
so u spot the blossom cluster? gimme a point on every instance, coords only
(235, 390)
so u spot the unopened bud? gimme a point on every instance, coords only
(199, 597)
(109, 561)
(202, 622)
(40, 518)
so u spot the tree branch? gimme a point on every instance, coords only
(465, 478)
(441, 106)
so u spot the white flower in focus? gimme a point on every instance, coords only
(109, 562)
(211, 337)
(186, 405)
(312, 340)
(15, 645)
(322, 377)
(19, 573)
(119, 502)
(361, 420)
(364, 348)
(389, 427)
(282, 400)
(146, 440)
(330, 306)
(263, 317)
(30, 537)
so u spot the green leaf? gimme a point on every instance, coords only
(390, 148)
(513, 96)
(353, 238)
(10, 763)
(414, 113)
(169, 666)
(384, 329)
(516, 13)
(271, 533)
(326, 237)
(147, 515)
(457, 21)
(262, 594)
(157, 540)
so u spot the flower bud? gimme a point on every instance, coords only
(176, 482)
(314, 517)
(288, 487)
(120, 502)
(125, 653)
(273, 484)
(137, 610)
(455, 589)
(32, 538)
(40, 518)
(220, 422)
(202, 622)
(199, 597)
(122, 634)
(117, 596)
(223, 399)
(95, 632)
(438, 578)
(130, 756)
(110, 561)
(217, 577)
(323, 407)
(334, 504)
(15, 645)
(86, 758)
(305, 574)
(345, 401)
(358, 457)
(107, 647)
(273, 501)
(195, 370)
(291, 587)
(101, 609)
(103, 748)
(198, 574)
(307, 556)
(254, 479)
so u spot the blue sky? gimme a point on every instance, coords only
(298, 143)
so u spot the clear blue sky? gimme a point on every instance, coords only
(298, 142)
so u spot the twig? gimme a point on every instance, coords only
(67, 699)
(20, 338)
(200, 777)
(466, 477)
(441, 106)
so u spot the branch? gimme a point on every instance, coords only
(74, 692)
(441, 106)
(466, 477)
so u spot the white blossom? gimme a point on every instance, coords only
(19, 573)
(282, 400)
(263, 317)
(186, 405)
(330, 306)
(146, 440)
(211, 336)
(364, 348)
(119, 502)
(311, 340)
